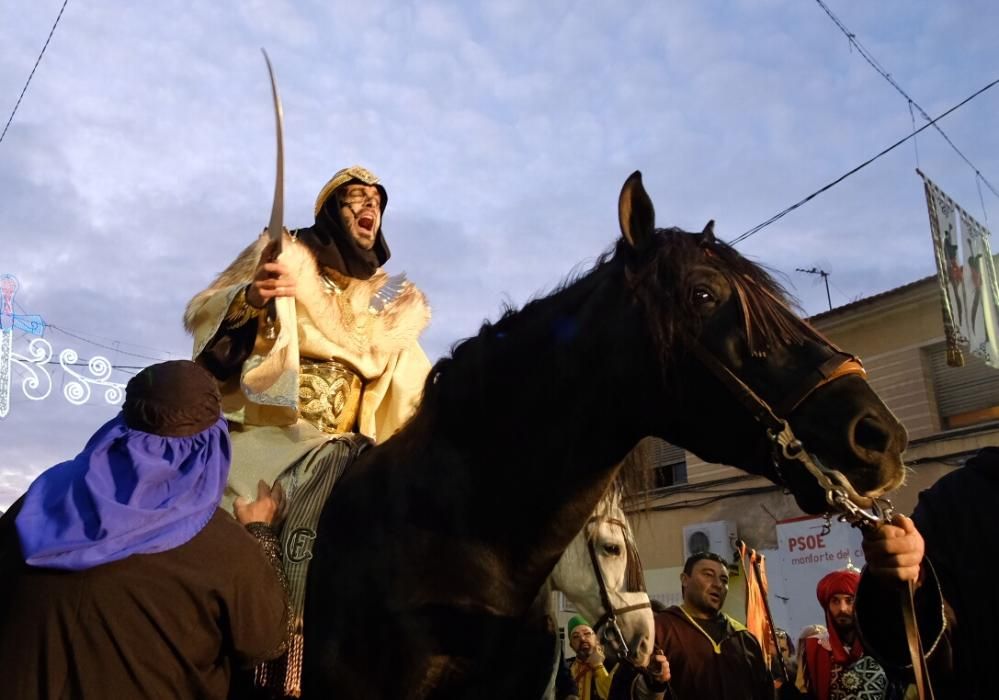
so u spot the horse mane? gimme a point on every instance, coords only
(611, 507)
(767, 308)
(550, 313)
(568, 293)
(611, 503)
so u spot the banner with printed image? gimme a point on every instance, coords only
(969, 290)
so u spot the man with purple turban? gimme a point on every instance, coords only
(121, 576)
(835, 667)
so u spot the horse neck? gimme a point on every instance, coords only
(550, 401)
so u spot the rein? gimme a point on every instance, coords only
(609, 617)
(852, 507)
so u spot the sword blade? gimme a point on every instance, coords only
(276, 224)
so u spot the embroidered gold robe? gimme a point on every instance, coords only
(332, 317)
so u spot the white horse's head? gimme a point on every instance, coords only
(609, 536)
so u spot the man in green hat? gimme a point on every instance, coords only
(316, 352)
(593, 680)
(587, 667)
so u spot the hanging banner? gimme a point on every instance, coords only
(982, 327)
(966, 271)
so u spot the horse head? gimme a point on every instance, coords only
(749, 372)
(600, 572)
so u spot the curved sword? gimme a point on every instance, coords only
(277, 209)
(276, 225)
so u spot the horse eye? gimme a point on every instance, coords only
(701, 295)
(613, 550)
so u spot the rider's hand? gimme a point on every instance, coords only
(266, 509)
(894, 550)
(597, 657)
(271, 279)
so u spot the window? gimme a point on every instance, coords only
(669, 465)
(966, 395)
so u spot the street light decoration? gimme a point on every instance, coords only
(37, 384)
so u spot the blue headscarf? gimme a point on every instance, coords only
(129, 491)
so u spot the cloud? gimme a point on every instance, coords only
(141, 159)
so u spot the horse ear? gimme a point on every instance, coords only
(708, 234)
(635, 212)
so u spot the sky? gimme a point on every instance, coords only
(141, 158)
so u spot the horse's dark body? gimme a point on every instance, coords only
(433, 547)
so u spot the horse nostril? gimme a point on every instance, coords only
(870, 433)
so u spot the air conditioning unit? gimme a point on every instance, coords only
(718, 536)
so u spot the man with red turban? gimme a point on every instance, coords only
(836, 667)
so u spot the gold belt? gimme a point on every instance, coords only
(329, 395)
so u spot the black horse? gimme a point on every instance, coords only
(433, 548)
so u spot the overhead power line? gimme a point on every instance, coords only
(94, 338)
(30, 75)
(128, 369)
(781, 214)
(105, 346)
(887, 76)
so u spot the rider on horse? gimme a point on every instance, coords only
(317, 355)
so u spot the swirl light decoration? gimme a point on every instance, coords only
(37, 383)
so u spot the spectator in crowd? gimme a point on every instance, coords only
(587, 666)
(710, 654)
(786, 672)
(591, 680)
(835, 667)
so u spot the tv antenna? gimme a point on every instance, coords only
(816, 270)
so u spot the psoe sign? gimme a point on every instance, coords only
(803, 542)
(807, 549)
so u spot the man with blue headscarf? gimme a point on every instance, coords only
(121, 577)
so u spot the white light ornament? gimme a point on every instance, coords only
(37, 385)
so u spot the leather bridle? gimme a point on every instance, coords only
(609, 617)
(843, 499)
(841, 496)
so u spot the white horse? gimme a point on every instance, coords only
(600, 572)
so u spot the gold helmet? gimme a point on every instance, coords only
(351, 174)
